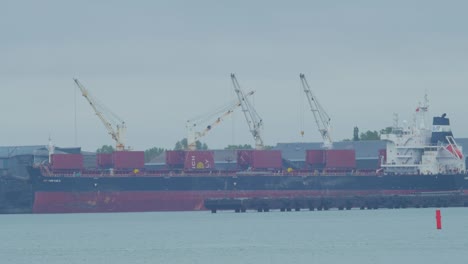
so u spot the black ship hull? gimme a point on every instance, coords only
(130, 193)
(16, 196)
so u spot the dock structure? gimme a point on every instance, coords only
(283, 204)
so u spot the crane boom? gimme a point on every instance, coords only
(254, 121)
(116, 133)
(322, 119)
(193, 135)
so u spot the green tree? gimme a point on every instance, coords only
(152, 153)
(202, 146)
(105, 149)
(182, 144)
(370, 135)
(386, 130)
(245, 146)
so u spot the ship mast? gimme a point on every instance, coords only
(50, 149)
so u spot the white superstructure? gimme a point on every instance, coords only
(420, 149)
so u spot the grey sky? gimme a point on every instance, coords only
(158, 63)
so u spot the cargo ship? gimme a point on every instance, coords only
(417, 159)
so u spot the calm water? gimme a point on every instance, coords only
(381, 236)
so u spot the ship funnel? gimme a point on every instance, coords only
(441, 129)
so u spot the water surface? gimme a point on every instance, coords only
(374, 236)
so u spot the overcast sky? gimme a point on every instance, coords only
(158, 63)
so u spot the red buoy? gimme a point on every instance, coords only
(438, 219)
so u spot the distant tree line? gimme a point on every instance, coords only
(105, 149)
(245, 146)
(154, 152)
(369, 134)
(182, 144)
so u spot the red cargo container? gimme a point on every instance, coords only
(199, 160)
(175, 157)
(340, 159)
(104, 160)
(266, 159)
(128, 159)
(244, 157)
(315, 157)
(67, 161)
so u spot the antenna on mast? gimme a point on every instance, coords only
(75, 121)
(51, 149)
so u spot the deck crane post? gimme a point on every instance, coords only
(254, 121)
(322, 119)
(194, 136)
(116, 128)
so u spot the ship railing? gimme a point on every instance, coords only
(46, 171)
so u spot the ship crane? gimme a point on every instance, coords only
(322, 119)
(194, 136)
(115, 125)
(254, 121)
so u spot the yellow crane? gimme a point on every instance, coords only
(114, 124)
(322, 119)
(254, 120)
(193, 135)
